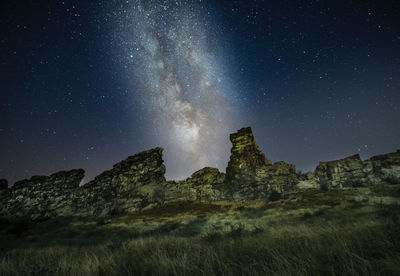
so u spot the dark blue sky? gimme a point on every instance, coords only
(84, 84)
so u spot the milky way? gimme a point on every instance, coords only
(178, 70)
(85, 84)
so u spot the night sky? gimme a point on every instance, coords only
(84, 84)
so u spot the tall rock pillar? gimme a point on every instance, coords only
(250, 174)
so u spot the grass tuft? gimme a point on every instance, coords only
(312, 232)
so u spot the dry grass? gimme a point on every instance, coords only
(364, 251)
(347, 232)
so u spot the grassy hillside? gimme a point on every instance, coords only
(355, 231)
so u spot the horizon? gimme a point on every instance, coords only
(85, 180)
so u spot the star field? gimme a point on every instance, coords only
(175, 63)
(84, 84)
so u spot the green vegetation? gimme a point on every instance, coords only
(354, 231)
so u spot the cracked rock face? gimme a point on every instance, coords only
(42, 196)
(246, 157)
(131, 185)
(206, 184)
(352, 171)
(342, 172)
(250, 174)
(386, 165)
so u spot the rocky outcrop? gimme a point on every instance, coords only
(246, 158)
(344, 172)
(352, 171)
(130, 186)
(279, 177)
(250, 174)
(138, 183)
(43, 196)
(307, 181)
(385, 165)
(206, 184)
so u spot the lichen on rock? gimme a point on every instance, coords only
(129, 186)
(43, 196)
(250, 174)
(352, 171)
(206, 184)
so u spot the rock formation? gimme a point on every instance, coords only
(308, 181)
(385, 165)
(206, 184)
(245, 158)
(131, 185)
(138, 183)
(250, 174)
(42, 196)
(343, 172)
(352, 171)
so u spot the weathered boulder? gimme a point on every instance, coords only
(43, 196)
(385, 166)
(352, 171)
(130, 186)
(348, 171)
(279, 177)
(250, 174)
(204, 185)
(308, 181)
